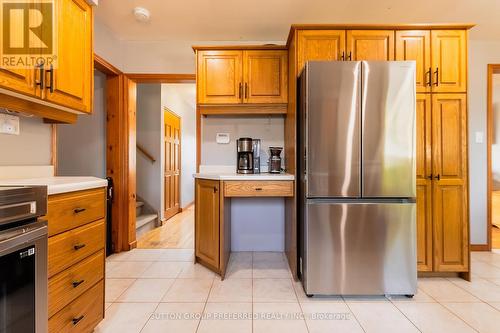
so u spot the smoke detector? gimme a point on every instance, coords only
(142, 14)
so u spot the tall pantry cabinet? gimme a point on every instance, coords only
(440, 52)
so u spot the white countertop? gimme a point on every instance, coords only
(239, 176)
(57, 185)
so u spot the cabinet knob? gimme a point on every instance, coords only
(78, 246)
(438, 177)
(77, 320)
(429, 73)
(77, 283)
(79, 210)
(437, 77)
(215, 189)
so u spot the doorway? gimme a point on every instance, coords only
(493, 124)
(172, 171)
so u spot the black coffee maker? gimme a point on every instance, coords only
(244, 148)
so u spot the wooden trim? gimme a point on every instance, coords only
(103, 66)
(417, 26)
(243, 109)
(480, 247)
(239, 47)
(189, 205)
(146, 153)
(162, 78)
(198, 138)
(53, 150)
(492, 69)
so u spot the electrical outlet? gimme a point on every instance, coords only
(9, 124)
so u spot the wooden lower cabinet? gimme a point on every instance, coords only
(207, 222)
(76, 260)
(442, 200)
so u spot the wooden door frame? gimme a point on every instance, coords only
(492, 69)
(166, 109)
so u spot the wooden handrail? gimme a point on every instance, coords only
(145, 153)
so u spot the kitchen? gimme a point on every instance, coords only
(247, 227)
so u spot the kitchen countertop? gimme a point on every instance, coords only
(239, 176)
(56, 185)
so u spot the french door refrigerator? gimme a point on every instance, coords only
(357, 172)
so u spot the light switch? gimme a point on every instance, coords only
(222, 138)
(9, 124)
(479, 137)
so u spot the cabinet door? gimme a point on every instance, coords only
(370, 45)
(72, 79)
(219, 75)
(449, 60)
(416, 45)
(207, 222)
(265, 76)
(424, 184)
(449, 143)
(319, 45)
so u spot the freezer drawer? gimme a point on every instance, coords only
(359, 248)
(388, 139)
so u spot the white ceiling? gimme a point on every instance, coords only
(270, 20)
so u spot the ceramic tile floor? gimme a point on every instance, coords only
(160, 290)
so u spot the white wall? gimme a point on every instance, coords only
(107, 46)
(481, 53)
(81, 147)
(149, 136)
(33, 146)
(495, 148)
(181, 99)
(269, 129)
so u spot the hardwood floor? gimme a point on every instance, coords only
(495, 219)
(176, 233)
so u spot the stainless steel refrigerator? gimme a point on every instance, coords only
(357, 172)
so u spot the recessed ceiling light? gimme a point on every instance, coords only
(142, 14)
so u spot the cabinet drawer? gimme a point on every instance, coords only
(251, 188)
(72, 246)
(81, 315)
(70, 210)
(74, 281)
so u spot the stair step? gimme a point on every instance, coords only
(139, 204)
(138, 208)
(144, 219)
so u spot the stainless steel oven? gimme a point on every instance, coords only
(23, 259)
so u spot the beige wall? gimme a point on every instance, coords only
(495, 148)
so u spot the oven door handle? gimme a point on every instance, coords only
(13, 238)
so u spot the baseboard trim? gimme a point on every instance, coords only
(479, 247)
(187, 206)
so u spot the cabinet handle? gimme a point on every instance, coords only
(51, 79)
(77, 283)
(246, 90)
(79, 210)
(429, 177)
(438, 177)
(77, 320)
(429, 83)
(437, 77)
(78, 246)
(41, 82)
(258, 188)
(343, 56)
(240, 90)
(350, 56)
(215, 189)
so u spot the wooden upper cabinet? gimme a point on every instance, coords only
(219, 77)
(424, 184)
(320, 45)
(19, 80)
(416, 45)
(450, 199)
(71, 82)
(449, 60)
(207, 221)
(370, 45)
(265, 76)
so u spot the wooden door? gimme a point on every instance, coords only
(416, 45)
(319, 45)
(71, 82)
(207, 222)
(219, 77)
(424, 183)
(449, 148)
(370, 45)
(19, 80)
(265, 76)
(172, 171)
(449, 60)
